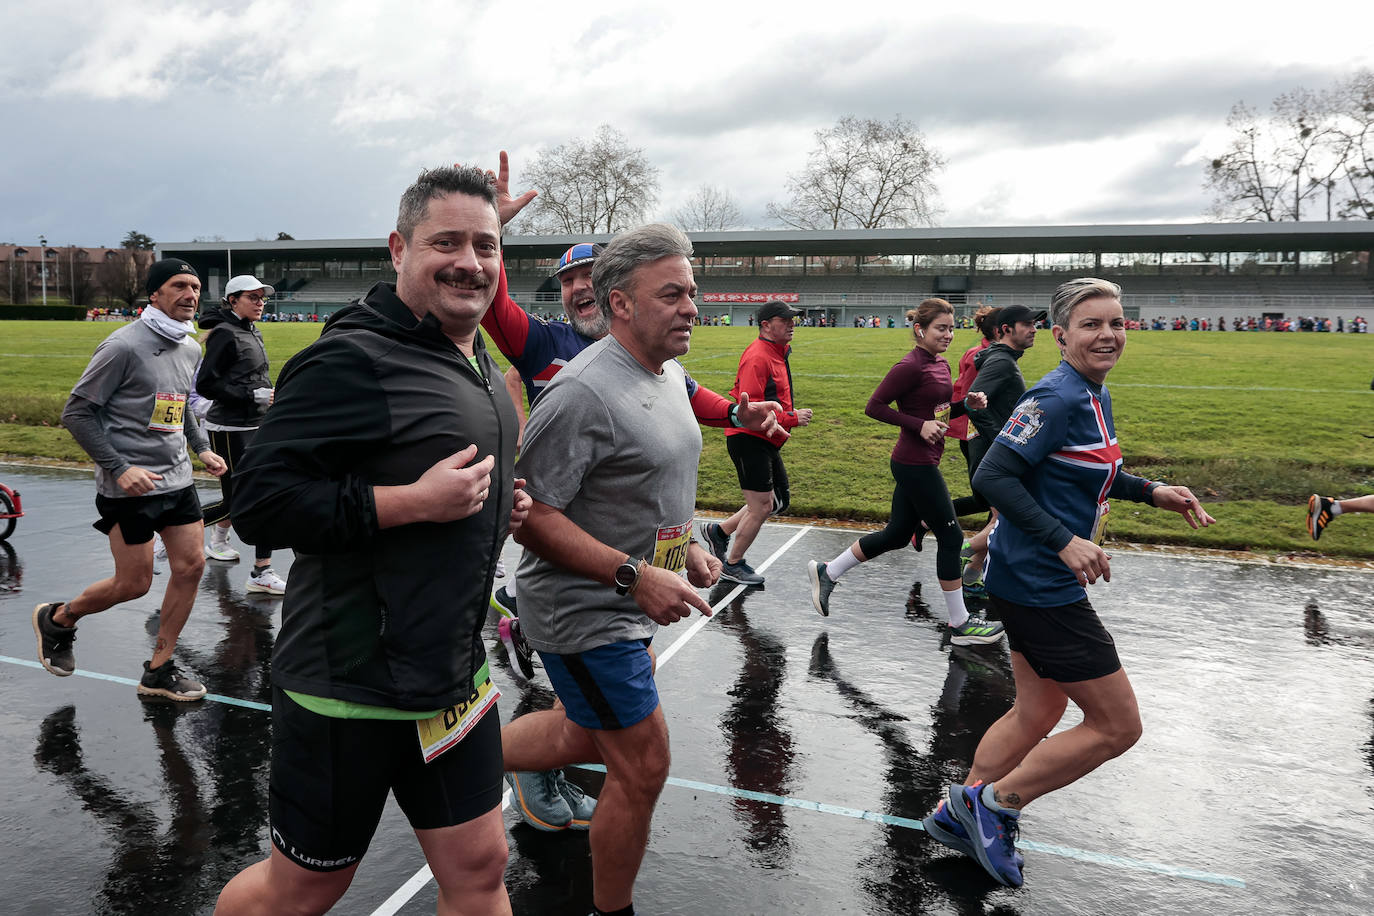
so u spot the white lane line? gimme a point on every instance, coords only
(393, 904)
(700, 622)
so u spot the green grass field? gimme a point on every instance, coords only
(1252, 422)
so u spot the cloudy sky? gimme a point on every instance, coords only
(184, 119)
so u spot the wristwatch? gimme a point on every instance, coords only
(626, 575)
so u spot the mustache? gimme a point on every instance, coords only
(475, 280)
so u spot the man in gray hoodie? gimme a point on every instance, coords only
(128, 411)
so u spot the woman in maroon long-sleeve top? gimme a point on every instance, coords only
(920, 386)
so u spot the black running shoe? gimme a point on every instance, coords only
(518, 649)
(166, 680)
(740, 572)
(504, 603)
(1318, 515)
(716, 540)
(821, 587)
(54, 640)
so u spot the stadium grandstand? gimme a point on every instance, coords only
(1207, 270)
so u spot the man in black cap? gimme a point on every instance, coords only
(764, 375)
(128, 411)
(999, 378)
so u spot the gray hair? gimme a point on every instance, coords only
(1068, 295)
(438, 183)
(615, 266)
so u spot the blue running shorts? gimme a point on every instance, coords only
(606, 688)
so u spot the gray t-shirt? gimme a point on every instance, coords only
(135, 390)
(615, 448)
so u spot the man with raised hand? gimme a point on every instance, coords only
(386, 462)
(128, 412)
(610, 453)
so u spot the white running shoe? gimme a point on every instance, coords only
(159, 548)
(219, 548)
(266, 581)
(500, 568)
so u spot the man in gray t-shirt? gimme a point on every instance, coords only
(128, 411)
(610, 457)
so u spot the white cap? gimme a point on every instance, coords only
(244, 282)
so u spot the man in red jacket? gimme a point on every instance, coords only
(764, 375)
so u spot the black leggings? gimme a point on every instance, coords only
(229, 445)
(973, 454)
(920, 495)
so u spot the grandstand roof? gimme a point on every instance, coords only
(1202, 237)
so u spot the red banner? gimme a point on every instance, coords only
(750, 297)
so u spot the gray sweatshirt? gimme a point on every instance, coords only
(128, 408)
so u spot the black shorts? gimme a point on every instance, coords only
(139, 516)
(758, 464)
(1065, 643)
(330, 779)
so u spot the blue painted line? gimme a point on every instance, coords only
(130, 682)
(1067, 852)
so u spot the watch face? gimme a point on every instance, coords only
(626, 574)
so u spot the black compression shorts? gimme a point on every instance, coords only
(330, 779)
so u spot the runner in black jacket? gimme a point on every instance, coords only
(387, 463)
(999, 378)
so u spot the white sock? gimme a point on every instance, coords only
(219, 536)
(841, 564)
(954, 606)
(1335, 508)
(510, 585)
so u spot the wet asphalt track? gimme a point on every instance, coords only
(804, 749)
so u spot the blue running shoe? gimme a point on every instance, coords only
(536, 797)
(943, 828)
(582, 805)
(992, 835)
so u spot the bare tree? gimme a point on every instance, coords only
(709, 209)
(1354, 129)
(1310, 148)
(864, 174)
(82, 278)
(122, 275)
(601, 185)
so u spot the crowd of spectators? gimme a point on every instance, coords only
(1339, 325)
(1356, 325)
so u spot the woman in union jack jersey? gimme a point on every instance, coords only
(1050, 474)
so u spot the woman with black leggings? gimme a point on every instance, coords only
(920, 386)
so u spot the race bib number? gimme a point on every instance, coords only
(168, 409)
(1100, 522)
(670, 547)
(942, 414)
(443, 731)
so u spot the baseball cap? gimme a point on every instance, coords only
(576, 256)
(162, 271)
(1011, 314)
(775, 309)
(244, 282)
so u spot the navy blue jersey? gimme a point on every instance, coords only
(1063, 429)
